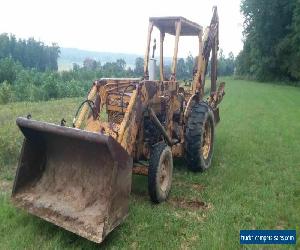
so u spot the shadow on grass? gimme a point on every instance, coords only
(60, 237)
(139, 187)
(180, 165)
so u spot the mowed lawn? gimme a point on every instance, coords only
(253, 183)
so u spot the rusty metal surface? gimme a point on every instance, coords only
(217, 96)
(167, 25)
(140, 169)
(208, 42)
(160, 127)
(75, 179)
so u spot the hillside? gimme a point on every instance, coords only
(68, 56)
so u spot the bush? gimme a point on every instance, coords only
(6, 93)
(50, 90)
(71, 88)
(32, 85)
(8, 70)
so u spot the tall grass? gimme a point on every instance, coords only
(10, 136)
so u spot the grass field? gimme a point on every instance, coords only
(254, 181)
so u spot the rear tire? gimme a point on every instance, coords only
(199, 137)
(160, 172)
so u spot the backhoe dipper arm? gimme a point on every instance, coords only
(207, 43)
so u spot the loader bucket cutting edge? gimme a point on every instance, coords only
(75, 179)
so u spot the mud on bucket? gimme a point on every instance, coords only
(75, 179)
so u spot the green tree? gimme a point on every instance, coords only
(289, 50)
(90, 64)
(76, 67)
(181, 69)
(121, 64)
(30, 53)
(270, 29)
(8, 70)
(4, 46)
(6, 93)
(189, 64)
(139, 67)
(226, 65)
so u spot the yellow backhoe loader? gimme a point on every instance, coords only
(79, 177)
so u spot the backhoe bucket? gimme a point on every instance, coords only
(75, 179)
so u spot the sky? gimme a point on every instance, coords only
(116, 26)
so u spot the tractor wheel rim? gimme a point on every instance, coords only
(207, 136)
(164, 175)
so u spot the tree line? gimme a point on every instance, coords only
(29, 72)
(29, 53)
(185, 67)
(18, 83)
(271, 40)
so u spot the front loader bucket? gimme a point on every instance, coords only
(75, 179)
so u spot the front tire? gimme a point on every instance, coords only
(199, 137)
(160, 172)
